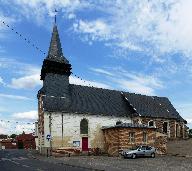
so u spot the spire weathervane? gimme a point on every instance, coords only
(56, 16)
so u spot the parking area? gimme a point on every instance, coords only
(160, 163)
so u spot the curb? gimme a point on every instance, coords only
(179, 155)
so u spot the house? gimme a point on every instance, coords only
(8, 143)
(126, 135)
(81, 118)
(25, 141)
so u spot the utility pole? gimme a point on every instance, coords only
(50, 123)
(62, 128)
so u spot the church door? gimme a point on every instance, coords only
(84, 143)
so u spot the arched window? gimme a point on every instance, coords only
(151, 123)
(84, 126)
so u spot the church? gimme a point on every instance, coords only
(88, 119)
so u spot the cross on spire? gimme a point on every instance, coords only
(55, 16)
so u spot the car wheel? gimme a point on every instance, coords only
(153, 155)
(133, 156)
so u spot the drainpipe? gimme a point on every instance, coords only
(50, 133)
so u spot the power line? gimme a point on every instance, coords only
(24, 38)
(16, 122)
(28, 41)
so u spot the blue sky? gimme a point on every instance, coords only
(131, 45)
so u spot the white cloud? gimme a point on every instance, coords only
(27, 128)
(189, 120)
(3, 128)
(8, 21)
(31, 115)
(130, 81)
(16, 128)
(96, 29)
(26, 82)
(185, 108)
(71, 16)
(78, 81)
(37, 10)
(101, 71)
(28, 75)
(16, 97)
(136, 87)
(2, 82)
(18, 122)
(155, 27)
(164, 26)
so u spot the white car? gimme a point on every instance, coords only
(139, 151)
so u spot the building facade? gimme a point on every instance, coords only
(72, 116)
(125, 136)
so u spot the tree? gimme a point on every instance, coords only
(190, 133)
(13, 136)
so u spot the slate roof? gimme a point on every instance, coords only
(128, 125)
(152, 106)
(55, 50)
(90, 100)
(95, 101)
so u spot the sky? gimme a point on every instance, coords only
(143, 47)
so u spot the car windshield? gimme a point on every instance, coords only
(134, 148)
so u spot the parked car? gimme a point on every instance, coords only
(139, 151)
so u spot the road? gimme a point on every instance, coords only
(22, 160)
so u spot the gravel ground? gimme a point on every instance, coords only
(160, 163)
(180, 147)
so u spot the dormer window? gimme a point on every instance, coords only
(151, 123)
(118, 122)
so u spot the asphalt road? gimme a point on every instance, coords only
(22, 160)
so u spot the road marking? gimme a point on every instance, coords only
(25, 165)
(19, 158)
(14, 162)
(6, 159)
(39, 170)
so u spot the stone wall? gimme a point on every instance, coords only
(111, 138)
(117, 139)
(161, 143)
(172, 133)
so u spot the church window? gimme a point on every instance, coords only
(84, 126)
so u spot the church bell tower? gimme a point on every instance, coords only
(56, 69)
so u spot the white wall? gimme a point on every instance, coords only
(71, 128)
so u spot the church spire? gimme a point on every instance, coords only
(55, 62)
(55, 50)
